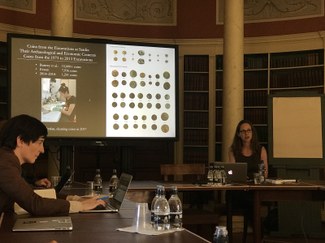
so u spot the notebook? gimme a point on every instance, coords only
(236, 172)
(63, 223)
(114, 204)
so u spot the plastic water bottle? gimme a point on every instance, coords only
(261, 170)
(152, 217)
(176, 210)
(217, 177)
(223, 175)
(98, 182)
(220, 235)
(161, 211)
(113, 182)
(210, 175)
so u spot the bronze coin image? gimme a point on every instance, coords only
(122, 104)
(149, 96)
(116, 116)
(158, 96)
(141, 61)
(114, 95)
(144, 126)
(154, 117)
(140, 105)
(142, 83)
(149, 105)
(123, 59)
(115, 73)
(115, 52)
(157, 76)
(114, 83)
(140, 95)
(164, 116)
(154, 127)
(122, 95)
(167, 97)
(133, 73)
(167, 106)
(142, 75)
(166, 75)
(126, 126)
(132, 95)
(157, 83)
(115, 59)
(135, 126)
(114, 104)
(166, 86)
(123, 82)
(141, 52)
(132, 105)
(124, 52)
(158, 106)
(165, 128)
(135, 118)
(144, 117)
(123, 74)
(125, 117)
(116, 126)
(133, 84)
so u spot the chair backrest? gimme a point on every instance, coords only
(178, 170)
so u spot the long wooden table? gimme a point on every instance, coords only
(97, 228)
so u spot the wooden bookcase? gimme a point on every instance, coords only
(4, 90)
(196, 108)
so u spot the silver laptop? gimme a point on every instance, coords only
(114, 204)
(236, 172)
(63, 223)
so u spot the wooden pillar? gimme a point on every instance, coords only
(62, 18)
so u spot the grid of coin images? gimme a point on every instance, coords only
(140, 91)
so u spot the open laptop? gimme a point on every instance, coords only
(114, 204)
(64, 179)
(58, 223)
(236, 172)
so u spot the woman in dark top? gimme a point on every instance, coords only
(246, 148)
(69, 111)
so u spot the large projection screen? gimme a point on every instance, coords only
(297, 127)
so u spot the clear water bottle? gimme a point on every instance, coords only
(113, 182)
(161, 211)
(98, 182)
(210, 175)
(217, 177)
(152, 218)
(223, 175)
(176, 210)
(221, 235)
(261, 171)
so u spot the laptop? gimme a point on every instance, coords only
(64, 179)
(236, 172)
(63, 223)
(114, 204)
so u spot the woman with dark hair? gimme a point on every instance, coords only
(69, 110)
(246, 148)
(21, 141)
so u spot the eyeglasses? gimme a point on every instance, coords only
(245, 131)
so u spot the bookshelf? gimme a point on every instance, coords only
(196, 108)
(4, 91)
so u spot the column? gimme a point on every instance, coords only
(62, 18)
(233, 71)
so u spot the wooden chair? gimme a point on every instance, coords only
(192, 216)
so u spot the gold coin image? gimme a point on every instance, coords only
(125, 117)
(133, 84)
(142, 75)
(165, 128)
(114, 83)
(133, 73)
(141, 52)
(166, 75)
(154, 117)
(166, 86)
(115, 59)
(140, 105)
(116, 126)
(167, 97)
(116, 116)
(142, 83)
(122, 104)
(115, 52)
(158, 106)
(124, 52)
(132, 105)
(141, 61)
(114, 104)
(123, 59)
(126, 126)
(164, 116)
(167, 106)
(115, 73)
(154, 127)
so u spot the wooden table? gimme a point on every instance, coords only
(97, 228)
